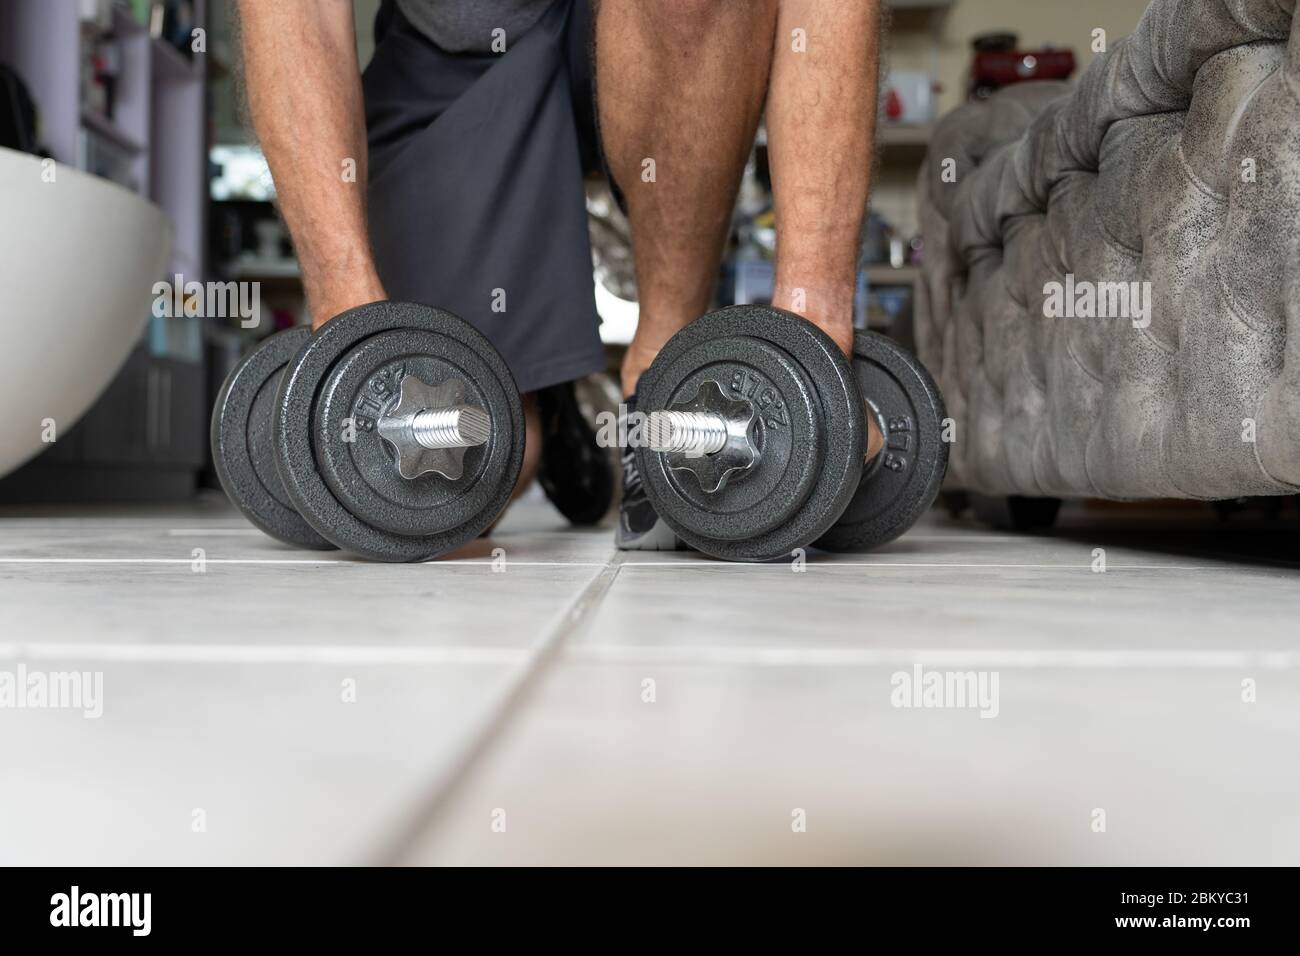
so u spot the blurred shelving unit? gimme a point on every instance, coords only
(891, 275)
(902, 136)
(902, 147)
(119, 97)
(907, 143)
(247, 241)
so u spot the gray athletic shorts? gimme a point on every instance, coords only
(477, 202)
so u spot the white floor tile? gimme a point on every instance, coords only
(283, 769)
(714, 770)
(521, 689)
(363, 605)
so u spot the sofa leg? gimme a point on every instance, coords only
(956, 503)
(1016, 513)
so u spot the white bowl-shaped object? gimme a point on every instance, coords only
(79, 257)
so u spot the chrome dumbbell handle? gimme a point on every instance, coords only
(712, 436)
(430, 427)
(687, 433)
(463, 426)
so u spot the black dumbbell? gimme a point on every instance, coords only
(394, 432)
(755, 429)
(243, 451)
(903, 480)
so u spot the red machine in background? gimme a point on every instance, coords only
(997, 63)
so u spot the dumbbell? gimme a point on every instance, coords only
(394, 432)
(755, 431)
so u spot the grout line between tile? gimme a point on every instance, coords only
(700, 563)
(590, 653)
(173, 561)
(1010, 658)
(830, 565)
(495, 716)
(167, 653)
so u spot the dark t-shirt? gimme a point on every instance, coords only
(465, 26)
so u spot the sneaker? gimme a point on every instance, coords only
(575, 472)
(639, 527)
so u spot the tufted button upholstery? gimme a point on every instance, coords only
(1174, 161)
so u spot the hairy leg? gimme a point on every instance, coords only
(821, 118)
(680, 87)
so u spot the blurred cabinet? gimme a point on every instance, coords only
(146, 416)
(144, 440)
(120, 88)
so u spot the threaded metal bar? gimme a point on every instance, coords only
(461, 427)
(690, 433)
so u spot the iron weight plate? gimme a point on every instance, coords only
(788, 435)
(901, 483)
(243, 452)
(362, 473)
(735, 338)
(296, 424)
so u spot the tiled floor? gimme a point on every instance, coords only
(555, 702)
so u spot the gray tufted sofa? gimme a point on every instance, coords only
(1174, 161)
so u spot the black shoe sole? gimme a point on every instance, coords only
(576, 473)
